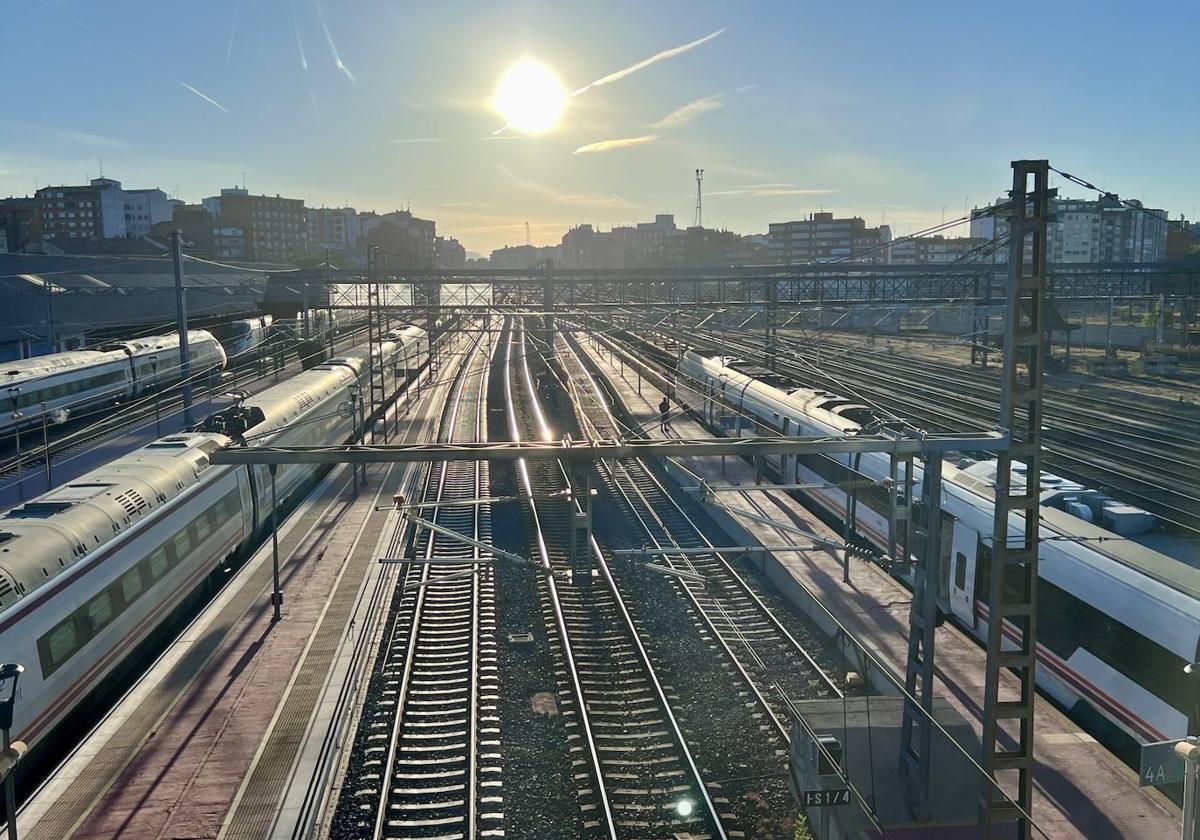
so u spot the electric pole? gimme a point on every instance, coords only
(185, 368)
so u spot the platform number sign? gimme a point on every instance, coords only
(823, 798)
(1160, 765)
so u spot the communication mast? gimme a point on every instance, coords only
(699, 199)
(527, 239)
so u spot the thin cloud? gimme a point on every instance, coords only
(746, 88)
(232, 32)
(300, 45)
(204, 96)
(95, 141)
(618, 143)
(565, 198)
(684, 114)
(646, 62)
(337, 59)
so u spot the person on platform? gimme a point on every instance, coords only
(664, 410)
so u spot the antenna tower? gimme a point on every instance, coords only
(699, 199)
(527, 240)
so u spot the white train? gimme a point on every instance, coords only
(1117, 622)
(82, 379)
(243, 335)
(89, 570)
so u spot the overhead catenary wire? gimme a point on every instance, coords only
(1161, 216)
(130, 408)
(871, 659)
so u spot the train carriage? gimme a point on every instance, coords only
(1118, 621)
(81, 379)
(91, 569)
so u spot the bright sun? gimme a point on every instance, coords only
(530, 97)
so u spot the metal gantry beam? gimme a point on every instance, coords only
(1013, 587)
(916, 733)
(578, 451)
(758, 286)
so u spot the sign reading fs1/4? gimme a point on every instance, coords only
(822, 798)
(1160, 764)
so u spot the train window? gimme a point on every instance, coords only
(960, 570)
(183, 544)
(131, 585)
(98, 612)
(158, 563)
(57, 646)
(204, 528)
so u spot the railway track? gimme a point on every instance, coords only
(104, 424)
(770, 658)
(635, 772)
(430, 767)
(763, 656)
(1145, 463)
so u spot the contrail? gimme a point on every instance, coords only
(684, 114)
(232, 32)
(300, 44)
(646, 62)
(204, 96)
(337, 59)
(619, 143)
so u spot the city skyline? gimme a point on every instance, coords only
(788, 111)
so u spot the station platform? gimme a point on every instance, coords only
(1081, 790)
(231, 732)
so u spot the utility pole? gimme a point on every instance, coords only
(1008, 759)
(49, 287)
(185, 366)
(699, 198)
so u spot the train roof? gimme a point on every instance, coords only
(165, 341)
(1154, 564)
(280, 404)
(980, 477)
(47, 535)
(22, 370)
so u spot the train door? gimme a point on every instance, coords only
(787, 470)
(962, 573)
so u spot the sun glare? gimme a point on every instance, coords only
(530, 97)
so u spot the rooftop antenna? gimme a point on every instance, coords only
(699, 198)
(101, 165)
(527, 242)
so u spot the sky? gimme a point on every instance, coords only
(901, 112)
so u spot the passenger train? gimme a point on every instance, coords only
(1117, 622)
(109, 373)
(89, 570)
(244, 335)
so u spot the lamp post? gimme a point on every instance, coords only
(13, 394)
(60, 416)
(9, 674)
(355, 396)
(157, 394)
(276, 594)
